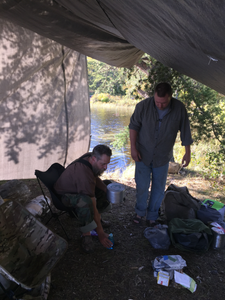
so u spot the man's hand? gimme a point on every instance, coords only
(187, 156)
(135, 154)
(103, 238)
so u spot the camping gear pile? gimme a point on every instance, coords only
(28, 252)
(170, 267)
(193, 225)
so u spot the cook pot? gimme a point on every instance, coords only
(218, 240)
(115, 192)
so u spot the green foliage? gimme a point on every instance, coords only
(104, 98)
(205, 158)
(113, 100)
(214, 168)
(206, 107)
(146, 74)
(121, 138)
(104, 78)
(207, 118)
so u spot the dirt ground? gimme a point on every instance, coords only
(125, 272)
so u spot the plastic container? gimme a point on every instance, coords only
(112, 240)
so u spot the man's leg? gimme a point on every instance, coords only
(142, 179)
(102, 202)
(83, 207)
(84, 210)
(159, 176)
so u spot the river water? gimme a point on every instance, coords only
(105, 123)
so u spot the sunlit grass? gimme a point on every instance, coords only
(107, 100)
(199, 158)
(199, 162)
(126, 174)
(129, 172)
(112, 175)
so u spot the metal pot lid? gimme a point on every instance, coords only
(115, 187)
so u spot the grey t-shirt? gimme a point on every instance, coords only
(162, 113)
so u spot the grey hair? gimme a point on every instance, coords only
(99, 150)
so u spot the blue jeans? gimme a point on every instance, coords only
(143, 175)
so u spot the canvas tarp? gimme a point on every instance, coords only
(186, 35)
(45, 113)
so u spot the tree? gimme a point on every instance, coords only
(104, 78)
(204, 105)
(147, 72)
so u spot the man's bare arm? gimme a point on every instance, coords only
(103, 237)
(187, 156)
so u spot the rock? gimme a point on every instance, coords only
(15, 190)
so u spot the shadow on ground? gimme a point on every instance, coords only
(126, 271)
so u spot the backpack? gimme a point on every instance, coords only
(190, 234)
(211, 211)
(178, 203)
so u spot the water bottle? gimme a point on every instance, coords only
(111, 240)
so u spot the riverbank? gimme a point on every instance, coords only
(112, 101)
(198, 186)
(202, 152)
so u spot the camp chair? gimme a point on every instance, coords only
(28, 251)
(49, 178)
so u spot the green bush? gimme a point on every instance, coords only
(104, 98)
(121, 138)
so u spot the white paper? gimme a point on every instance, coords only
(185, 280)
(182, 279)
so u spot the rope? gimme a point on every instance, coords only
(66, 109)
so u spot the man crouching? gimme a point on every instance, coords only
(82, 189)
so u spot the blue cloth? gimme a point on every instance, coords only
(143, 175)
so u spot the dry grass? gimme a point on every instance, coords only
(198, 186)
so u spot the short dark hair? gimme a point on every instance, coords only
(163, 88)
(99, 150)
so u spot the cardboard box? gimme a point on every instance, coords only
(163, 278)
